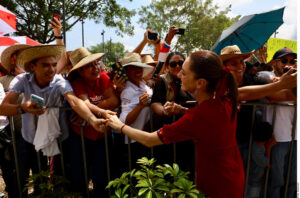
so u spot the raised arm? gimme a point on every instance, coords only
(142, 44)
(63, 61)
(56, 25)
(145, 40)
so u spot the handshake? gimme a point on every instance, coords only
(171, 108)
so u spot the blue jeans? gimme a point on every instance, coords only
(279, 166)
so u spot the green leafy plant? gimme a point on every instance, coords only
(46, 189)
(154, 182)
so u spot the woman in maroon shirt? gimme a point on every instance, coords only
(211, 125)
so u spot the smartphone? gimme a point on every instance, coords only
(35, 98)
(152, 36)
(56, 14)
(119, 70)
(180, 31)
(286, 69)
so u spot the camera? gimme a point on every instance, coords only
(286, 69)
(180, 31)
(152, 36)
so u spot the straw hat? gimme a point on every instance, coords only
(38, 51)
(134, 59)
(147, 58)
(81, 57)
(8, 52)
(233, 51)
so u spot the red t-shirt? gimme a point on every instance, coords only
(95, 95)
(219, 166)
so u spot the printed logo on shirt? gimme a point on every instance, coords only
(96, 99)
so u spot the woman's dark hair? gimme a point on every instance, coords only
(173, 54)
(207, 64)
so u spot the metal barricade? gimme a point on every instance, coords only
(151, 126)
(251, 141)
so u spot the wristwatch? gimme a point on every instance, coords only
(20, 110)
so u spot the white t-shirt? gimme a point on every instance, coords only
(129, 99)
(283, 121)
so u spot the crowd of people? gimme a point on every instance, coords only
(194, 102)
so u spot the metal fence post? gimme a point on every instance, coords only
(84, 159)
(12, 128)
(249, 152)
(129, 154)
(268, 169)
(107, 158)
(62, 158)
(174, 145)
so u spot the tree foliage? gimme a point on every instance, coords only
(113, 51)
(204, 19)
(34, 15)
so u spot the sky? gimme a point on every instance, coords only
(92, 31)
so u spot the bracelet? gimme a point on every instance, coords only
(122, 128)
(58, 37)
(88, 120)
(99, 114)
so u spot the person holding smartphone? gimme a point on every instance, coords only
(44, 82)
(63, 65)
(151, 38)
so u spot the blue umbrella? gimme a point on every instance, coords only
(250, 32)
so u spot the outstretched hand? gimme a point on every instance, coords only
(107, 114)
(288, 80)
(114, 122)
(99, 124)
(171, 108)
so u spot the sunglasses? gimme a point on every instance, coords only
(173, 64)
(285, 61)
